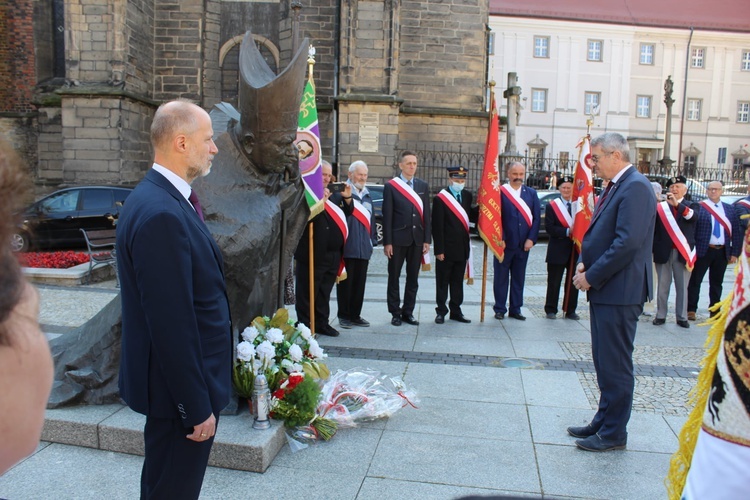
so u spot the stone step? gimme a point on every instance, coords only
(117, 428)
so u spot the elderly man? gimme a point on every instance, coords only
(615, 269)
(674, 249)
(718, 242)
(520, 214)
(450, 230)
(350, 293)
(561, 252)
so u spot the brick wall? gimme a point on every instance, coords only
(17, 66)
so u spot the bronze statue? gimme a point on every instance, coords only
(254, 200)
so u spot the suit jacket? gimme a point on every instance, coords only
(360, 244)
(448, 232)
(327, 236)
(560, 246)
(741, 210)
(705, 226)
(515, 229)
(663, 244)
(176, 356)
(617, 246)
(402, 225)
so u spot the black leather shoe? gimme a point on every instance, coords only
(440, 319)
(517, 316)
(683, 323)
(659, 321)
(572, 316)
(409, 318)
(328, 330)
(581, 432)
(360, 322)
(499, 315)
(551, 316)
(597, 443)
(460, 318)
(345, 323)
(396, 320)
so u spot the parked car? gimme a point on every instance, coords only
(376, 192)
(55, 220)
(545, 197)
(696, 190)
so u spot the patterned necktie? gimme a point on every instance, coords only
(717, 227)
(604, 196)
(193, 198)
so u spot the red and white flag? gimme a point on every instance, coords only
(583, 192)
(489, 223)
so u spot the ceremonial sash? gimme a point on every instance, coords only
(409, 193)
(361, 214)
(455, 207)
(709, 206)
(745, 203)
(664, 211)
(340, 220)
(561, 211)
(517, 202)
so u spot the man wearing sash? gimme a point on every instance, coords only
(406, 236)
(743, 208)
(350, 293)
(450, 230)
(520, 215)
(329, 235)
(561, 252)
(718, 242)
(674, 249)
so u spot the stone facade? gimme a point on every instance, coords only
(389, 74)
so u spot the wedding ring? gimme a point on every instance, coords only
(202, 434)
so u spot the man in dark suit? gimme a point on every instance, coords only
(743, 208)
(674, 249)
(406, 235)
(521, 211)
(561, 252)
(450, 230)
(329, 236)
(176, 332)
(718, 242)
(615, 269)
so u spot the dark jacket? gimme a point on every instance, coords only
(327, 236)
(515, 229)
(663, 245)
(360, 243)
(705, 225)
(448, 232)
(402, 225)
(560, 246)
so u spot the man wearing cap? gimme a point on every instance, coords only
(450, 232)
(674, 249)
(718, 242)
(561, 252)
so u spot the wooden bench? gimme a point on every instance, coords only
(101, 250)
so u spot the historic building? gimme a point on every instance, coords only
(612, 60)
(80, 79)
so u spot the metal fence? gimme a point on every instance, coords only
(539, 171)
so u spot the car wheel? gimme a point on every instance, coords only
(19, 242)
(379, 231)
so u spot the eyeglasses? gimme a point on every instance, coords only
(596, 158)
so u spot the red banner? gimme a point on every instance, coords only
(490, 225)
(583, 193)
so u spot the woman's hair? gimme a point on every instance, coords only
(15, 187)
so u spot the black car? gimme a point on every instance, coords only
(55, 220)
(545, 197)
(376, 192)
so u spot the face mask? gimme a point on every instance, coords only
(457, 186)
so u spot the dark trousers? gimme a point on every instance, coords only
(612, 335)
(350, 293)
(554, 280)
(449, 275)
(326, 268)
(513, 266)
(174, 465)
(412, 255)
(715, 263)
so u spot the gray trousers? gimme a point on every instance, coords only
(664, 273)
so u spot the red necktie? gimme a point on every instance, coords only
(193, 198)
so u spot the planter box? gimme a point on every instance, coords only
(72, 276)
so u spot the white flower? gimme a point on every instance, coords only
(266, 352)
(275, 335)
(315, 350)
(287, 365)
(304, 331)
(249, 333)
(245, 351)
(297, 368)
(296, 353)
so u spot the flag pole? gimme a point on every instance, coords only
(484, 284)
(311, 248)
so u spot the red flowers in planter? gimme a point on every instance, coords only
(52, 260)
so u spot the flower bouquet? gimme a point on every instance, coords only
(279, 349)
(295, 402)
